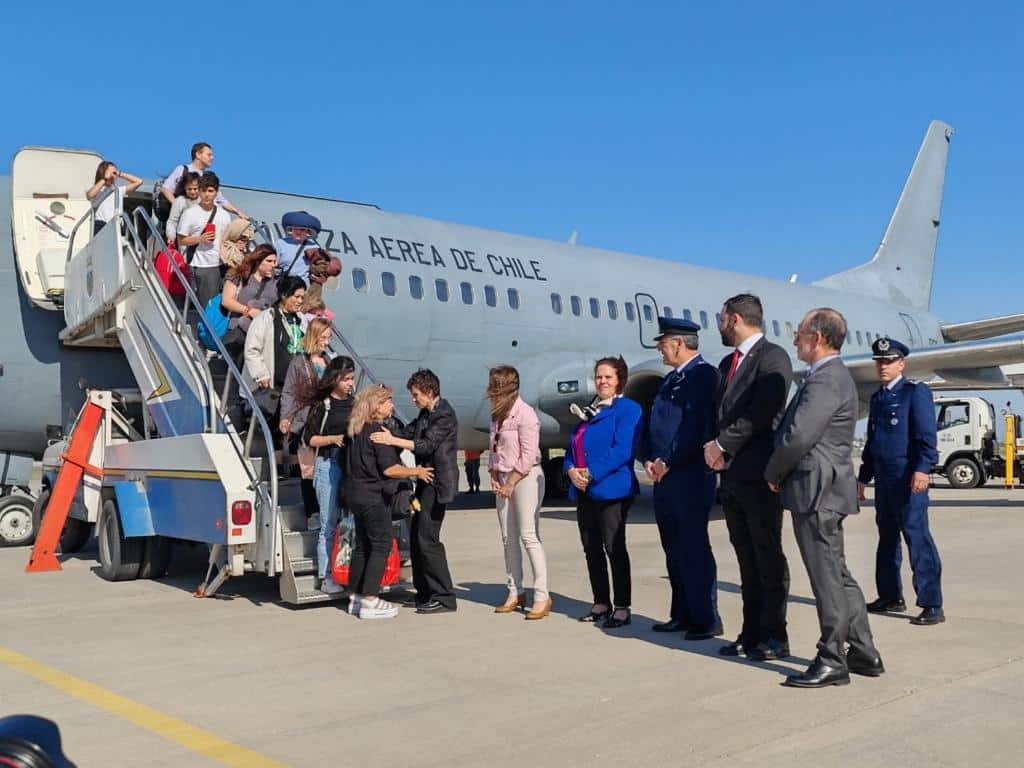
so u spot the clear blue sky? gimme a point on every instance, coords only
(771, 138)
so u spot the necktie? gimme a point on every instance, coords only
(736, 355)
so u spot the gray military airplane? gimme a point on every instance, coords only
(421, 292)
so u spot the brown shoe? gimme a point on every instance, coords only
(535, 613)
(513, 602)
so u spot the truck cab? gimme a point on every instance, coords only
(967, 445)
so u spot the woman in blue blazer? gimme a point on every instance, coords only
(599, 463)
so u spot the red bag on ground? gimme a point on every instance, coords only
(167, 276)
(341, 553)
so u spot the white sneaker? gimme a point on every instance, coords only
(355, 602)
(330, 586)
(378, 609)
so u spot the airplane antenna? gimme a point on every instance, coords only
(572, 238)
(792, 278)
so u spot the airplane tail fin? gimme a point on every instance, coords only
(900, 272)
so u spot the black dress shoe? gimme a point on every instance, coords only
(594, 616)
(613, 623)
(704, 633)
(769, 650)
(861, 664)
(735, 648)
(412, 601)
(672, 625)
(928, 617)
(819, 675)
(433, 606)
(885, 605)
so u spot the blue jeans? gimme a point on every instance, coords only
(326, 481)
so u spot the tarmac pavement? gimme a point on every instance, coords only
(314, 686)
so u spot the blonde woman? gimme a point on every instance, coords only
(518, 484)
(372, 470)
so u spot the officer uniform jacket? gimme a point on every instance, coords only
(435, 439)
(683, 416)
(610, 444)
(901, 435)
(812, 460)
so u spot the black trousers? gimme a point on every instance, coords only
(370, 548)
(603, 533)
(430, 574)
(753, 515)
(473, 474)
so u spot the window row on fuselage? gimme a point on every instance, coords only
(595, 308)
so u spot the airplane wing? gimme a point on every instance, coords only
(962, 365)
(983, 329)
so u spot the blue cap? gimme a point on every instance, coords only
(301, 219)
(676, 326)
(889, 349)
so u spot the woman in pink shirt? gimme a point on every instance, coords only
(518, 484)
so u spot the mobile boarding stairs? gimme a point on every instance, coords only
(198, 468)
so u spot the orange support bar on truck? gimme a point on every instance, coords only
(76, 463)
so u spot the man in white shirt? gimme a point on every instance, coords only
(202, 160)
(200, 231)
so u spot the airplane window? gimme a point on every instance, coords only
(718, 319)
(648, 313)
(775, 328)
(415, 287)
(467, 293)
(687, 314)
(703, 319)
(860, 340)
(387, 283)
(630, 314)
(556, 303)
(789, 329)
(441, 288)
(595, 308)
(666, 312)
(576, 305)
(513, 298)
(490, 296)
(613, 310)
(359, 280)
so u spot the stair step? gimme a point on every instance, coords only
(292, 516)
(303, 565)
(316, 596)
(301, 543)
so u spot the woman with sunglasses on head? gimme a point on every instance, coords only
(599, 463)
(518, 484)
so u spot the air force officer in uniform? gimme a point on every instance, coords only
(812, 465)
(682, 420)
(899, 455)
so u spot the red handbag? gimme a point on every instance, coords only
(340, 559)
(167, 275)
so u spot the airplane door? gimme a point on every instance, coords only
(647, 317)
(913, 331)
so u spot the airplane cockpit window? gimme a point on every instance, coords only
(666, 311)
(703, 319)
(388, 284)
(359, 280)
(775, 328)
(556, 303)
(490, 296)
(416, 286)
(860, 339)
(595, 308)
(467, 293)
(576, 305)
(789, 329)
(687, 314)
(513, 298)
(648, 313)
(441, 289)
(613, 309)
(630, 312)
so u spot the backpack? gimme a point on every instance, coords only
(216, 324)
(162, 208)
(167, 276)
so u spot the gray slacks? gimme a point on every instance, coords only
(842, 613)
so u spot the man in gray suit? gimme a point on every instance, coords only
(813, 469)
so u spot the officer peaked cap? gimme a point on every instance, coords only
(889, 349)
(676, 326)
(301, 219)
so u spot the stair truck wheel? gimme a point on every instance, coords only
(17, 527)
(119, 557)
(963, 473)
(156, 557)
(75, 534)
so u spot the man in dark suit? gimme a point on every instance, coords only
(750, 400)
(433, 439)
(682, 419)
(812, 466)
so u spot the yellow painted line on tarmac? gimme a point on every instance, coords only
(192, 738)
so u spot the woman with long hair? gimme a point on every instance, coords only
(372, 470)
(249, 288)
(518, 484)
(102, 193)
(330, 408)
(599, 463)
